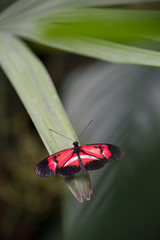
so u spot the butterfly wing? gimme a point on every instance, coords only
(70, 167)
(51, 165)
(90, 162)
(42, 169)
(66, 162)
(95, 156)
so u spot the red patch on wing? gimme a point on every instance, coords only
(51, 163)
(97, 150)
(70, 167)
(73, 161)
(60, 158)
(106, 152)
(91, 162)
(87, 158)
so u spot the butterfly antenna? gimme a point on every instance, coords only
(84, 129)
(61, 135)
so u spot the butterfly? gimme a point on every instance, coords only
(71, 161)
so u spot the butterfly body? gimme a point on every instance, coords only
(70, 161)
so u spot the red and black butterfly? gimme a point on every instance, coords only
(79, 158)
(70, 161)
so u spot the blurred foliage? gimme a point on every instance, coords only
(124, 103)
(118, 34)
(122, 100)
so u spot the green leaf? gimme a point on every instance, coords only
(32, 9)
(35, 89)
(80, 186)
(99, 49)
(106, 34)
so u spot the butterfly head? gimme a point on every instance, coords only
(75, 144)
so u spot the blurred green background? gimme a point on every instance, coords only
(122, 99)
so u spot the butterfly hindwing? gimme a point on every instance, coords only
(91, 162)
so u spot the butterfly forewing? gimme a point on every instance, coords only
(95, 156)
(42, 169)
(116, 153)
(97, 150)
(50, 166)
(63, 156)
(70, 167)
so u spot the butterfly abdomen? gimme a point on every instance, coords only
(82, 167)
